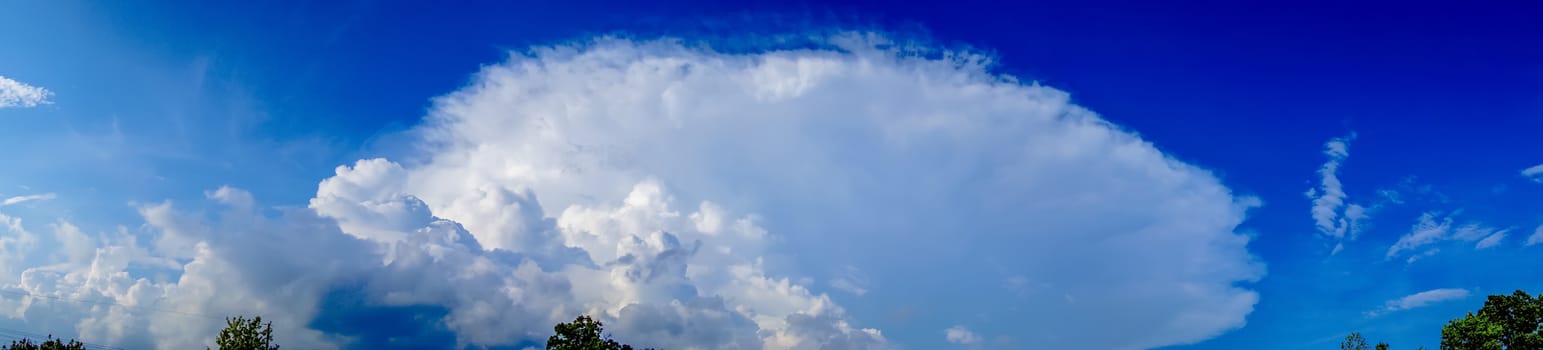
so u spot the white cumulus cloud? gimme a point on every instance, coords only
(17, 94)
(824, 141)
(675, 192)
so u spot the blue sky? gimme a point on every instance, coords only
(814, 175)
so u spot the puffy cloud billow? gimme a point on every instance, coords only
(695, 199)
(20, 95)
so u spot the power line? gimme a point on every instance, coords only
(107, 301)
(8, 335)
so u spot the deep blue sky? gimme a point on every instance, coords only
(1445, 96)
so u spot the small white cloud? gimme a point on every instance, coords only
(1391, 196)
(1427, 229)
(848, 286)
(1420, 299)
(1432, 228)
(1353, 215)
(1329, 197)
(961, 335)
(1491, 241)
(1017, 283)
(1422, 255)
(1472, 231)
(22, 199)
(234, 197)
(1536, 237)
(16, 94)
(851, 281)
(1332, 214)
(1535, 173)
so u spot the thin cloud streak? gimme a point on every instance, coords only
(27, 198)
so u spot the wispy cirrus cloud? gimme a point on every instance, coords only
(1434, 227)
(1535, 173)
(17, 94)
(1536, 237)
(1332, 214)
(27, 198)
(1491, 241)
(1420, 299)
(851, 281)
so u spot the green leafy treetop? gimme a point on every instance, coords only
(1506, 322)
(50, 344)
(1354, 341)
(243, 334)
(583, 334)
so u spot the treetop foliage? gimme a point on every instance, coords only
(50, 344)
(1505, 322)
(584, 333)
(243, 334)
